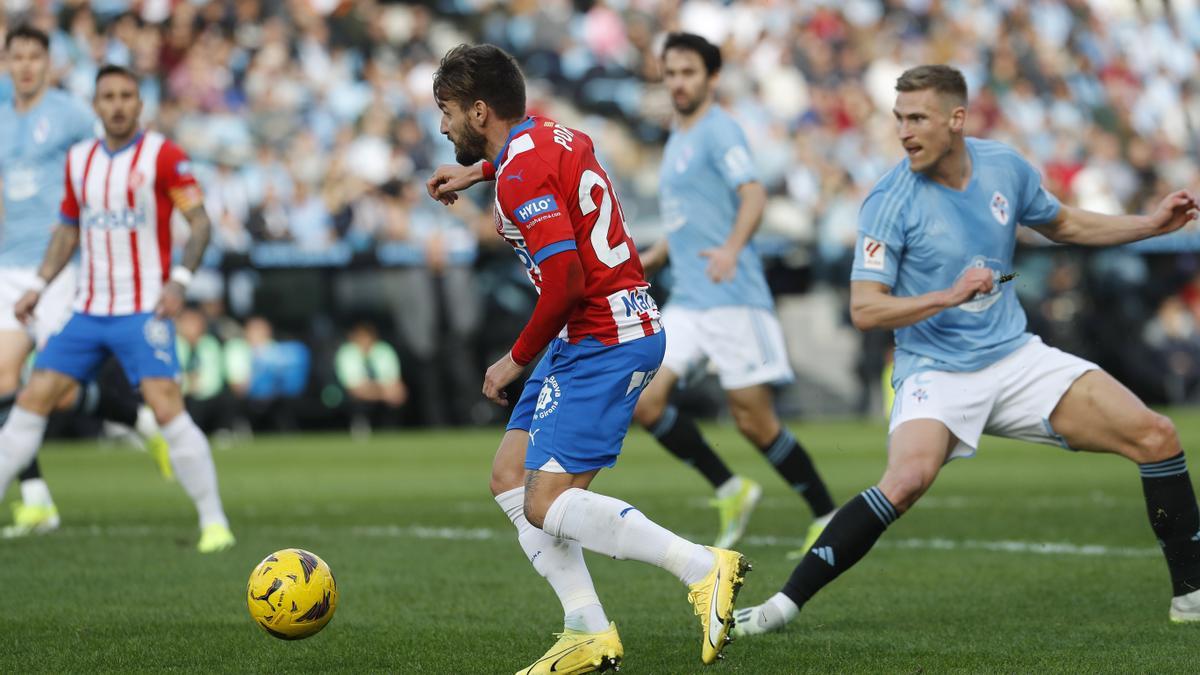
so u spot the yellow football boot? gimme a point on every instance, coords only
(579, 652)
(29, 520)
(712, 598)
(734, 512)
(810, 538)
(215, 537)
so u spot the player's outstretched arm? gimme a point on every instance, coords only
(872, 304)
(448, 179)
(1087, 228)
(58, 254)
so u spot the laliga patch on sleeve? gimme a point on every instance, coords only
(534, 208)
(874, 254)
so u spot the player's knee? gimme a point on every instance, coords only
(535, 509)
(39, 396)
(904, 488)
(505, 478)
(10, 378)
(1155, 439)
(760, 427)
(649, 410)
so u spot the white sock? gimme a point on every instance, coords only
(146, 426)
(784, 605)
(20, 438)
(730, 487)
(560, 561)
(614, 528)
(35, 492)
(193, 463)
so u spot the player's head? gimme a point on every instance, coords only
(477, 87)
(118, 102)
(690, 68)
(931, 111)
(28, 59)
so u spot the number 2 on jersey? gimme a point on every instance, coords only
(609, 255)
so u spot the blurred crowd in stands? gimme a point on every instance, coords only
(312, 127)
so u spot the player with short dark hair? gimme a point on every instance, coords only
(557, 208)
(118, 196)
(935, 243)
(721, 308)
(36, 130)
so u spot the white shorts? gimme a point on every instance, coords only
(1012, 398)
(745, 344)
(53, 309)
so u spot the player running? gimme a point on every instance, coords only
(36, 130)
(721, 309)
(935, 236)
(557, 208)
(119, 195)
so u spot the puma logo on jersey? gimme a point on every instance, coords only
(515, 176)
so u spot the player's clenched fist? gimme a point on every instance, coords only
(975, 281)
(498, 376)
(25, 306)
(448, 179)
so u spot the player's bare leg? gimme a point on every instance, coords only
(21, 435)
(36, 512)
(1099, 414)
(558, 560)
(916, 452)
(736, 496)
(561, 505)
(588, 641)
(753, 411)
(192, 458)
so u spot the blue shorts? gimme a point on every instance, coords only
(142, 343)
(579, 401)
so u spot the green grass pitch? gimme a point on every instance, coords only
(432, 580)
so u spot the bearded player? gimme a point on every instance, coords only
(556, 206)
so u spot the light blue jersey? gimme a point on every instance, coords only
(918, 236)
(701, 170)
(33, 153)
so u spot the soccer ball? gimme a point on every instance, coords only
(291, 594)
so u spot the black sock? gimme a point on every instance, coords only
(793, 463)
(6, 405)
(117, 406)
(679, 434)
(853, 531)
(1175, 519)
(30, 472)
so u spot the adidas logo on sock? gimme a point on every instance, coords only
(825, 553)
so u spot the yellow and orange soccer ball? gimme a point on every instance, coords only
(291, 594)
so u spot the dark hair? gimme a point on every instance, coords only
(27, 32)
(709, 53)
(114, 69)
(942, 79)
(470, 73)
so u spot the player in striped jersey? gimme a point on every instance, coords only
(119, 194)
(603, 341)
(36, 130)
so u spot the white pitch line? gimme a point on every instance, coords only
(431, 532)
